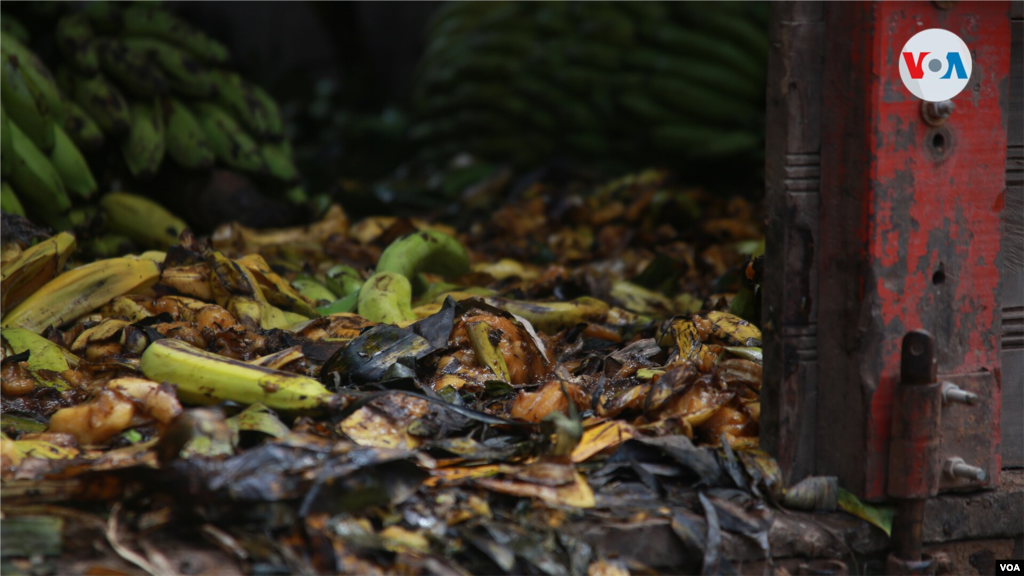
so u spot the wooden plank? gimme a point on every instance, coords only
(1013, 256)
(1012, 444)
(793, 177)
(1017, 9)
(1015, 137)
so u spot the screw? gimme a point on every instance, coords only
(936, 113)
(957, 468)
(953, 393)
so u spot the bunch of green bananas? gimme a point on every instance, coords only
(141, 80)
(627, 82)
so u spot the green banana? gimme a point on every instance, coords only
(296, 195)
(35, 177)
(144, 221)
(205, 378)
(710, 48)
(588, 143)
(712, 76)
(735, 27)
(47, 8)
(729, 144)
(640, 106)
(698, 102)
(386, 298)
(698, 141)
(343, 280)
(12, 26)
(144, 20)
(236, 95)
(76, 40)
(106, 17)
(23, 100)
(313, 290)
(183, 73)
(342, 305)
(9, 200)
(37, 73)
(425, 251)
(143, 150)
(185, 139)
(6, 149)
(278, 159)
(682, 138)
(108, 246)
(131, 68)
(72, 167)
(229, 141)
(610, 25)
(272, 113)
(83, 130)
(104, 103)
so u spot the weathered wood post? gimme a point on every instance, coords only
(882, 221)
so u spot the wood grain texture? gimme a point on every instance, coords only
(793, 181)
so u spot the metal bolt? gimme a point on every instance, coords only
(936, 113)
(953, 393)
(957, 468)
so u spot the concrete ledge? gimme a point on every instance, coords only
(977, 515)
(653, 542)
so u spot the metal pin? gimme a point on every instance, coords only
(953, 393)
(936, 113)
(957, 468)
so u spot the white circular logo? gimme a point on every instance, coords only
(935, 65)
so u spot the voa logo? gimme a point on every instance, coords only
(935, 65)
(1009, 567)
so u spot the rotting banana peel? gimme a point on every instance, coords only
(425, 251)
(236, 288)
(192, 280)
(33, 268)
(275, 289)
(43, 354)
(550, 317)
(205, 378)
(386, 297)
(80, 291)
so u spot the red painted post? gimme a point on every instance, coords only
(909, 234)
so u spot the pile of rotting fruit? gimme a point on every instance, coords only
(374, 397)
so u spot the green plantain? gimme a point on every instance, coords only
(143, 150)
(185, 139)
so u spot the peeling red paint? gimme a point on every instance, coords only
(920, 210)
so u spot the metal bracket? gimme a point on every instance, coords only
(967, 449)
